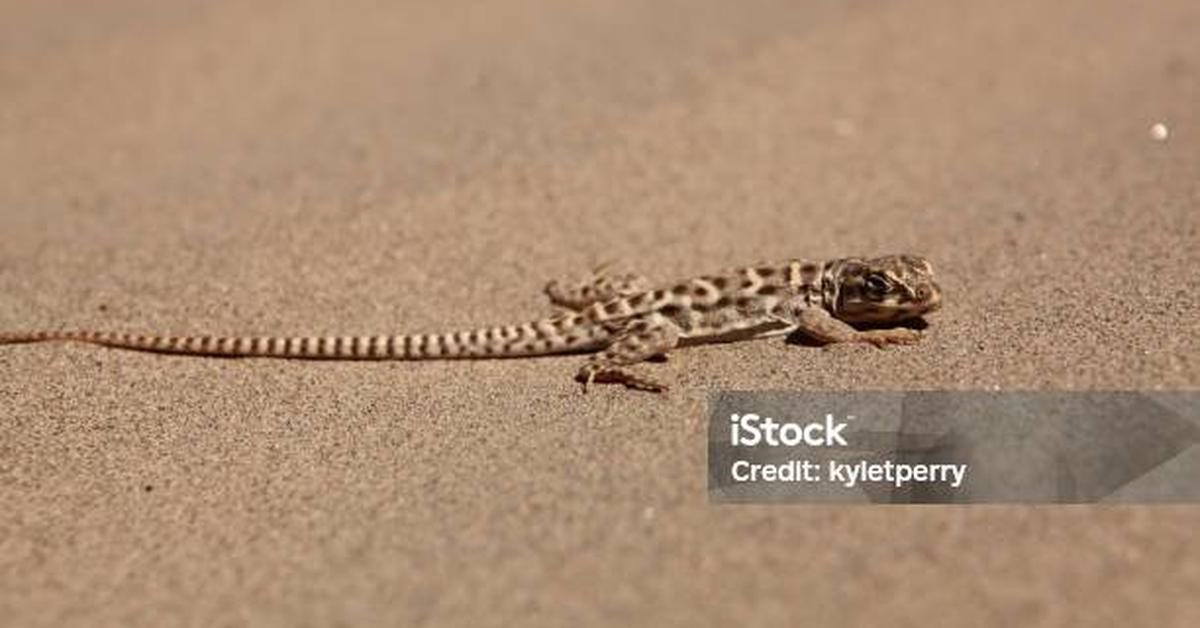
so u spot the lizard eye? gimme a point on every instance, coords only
(876, 284)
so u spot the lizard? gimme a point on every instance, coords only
(622, 320)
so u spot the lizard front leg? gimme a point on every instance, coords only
(599, 286)
(641, 340)
(822, 326)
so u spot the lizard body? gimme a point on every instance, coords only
(622, 320)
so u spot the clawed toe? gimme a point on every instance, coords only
(625, 377)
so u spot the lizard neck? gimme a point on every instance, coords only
(811, 281)
(831, 283)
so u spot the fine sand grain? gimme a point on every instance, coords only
(366, 167)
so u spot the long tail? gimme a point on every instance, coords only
(538, 338)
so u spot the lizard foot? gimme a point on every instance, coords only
(883, 337)
(598, 373)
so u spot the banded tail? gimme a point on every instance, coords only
(530, 339)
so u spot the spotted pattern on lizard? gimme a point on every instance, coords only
(622, 320)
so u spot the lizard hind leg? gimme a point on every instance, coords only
(600, 285)
(641, 340)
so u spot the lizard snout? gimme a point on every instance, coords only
(931, 296)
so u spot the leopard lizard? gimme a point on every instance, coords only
(622, 320)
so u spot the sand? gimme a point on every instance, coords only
(363, 167)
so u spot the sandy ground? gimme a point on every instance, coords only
(364, 167)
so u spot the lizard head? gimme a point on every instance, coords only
(884, 289)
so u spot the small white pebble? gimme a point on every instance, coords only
(648, 513)
(1159, 132)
